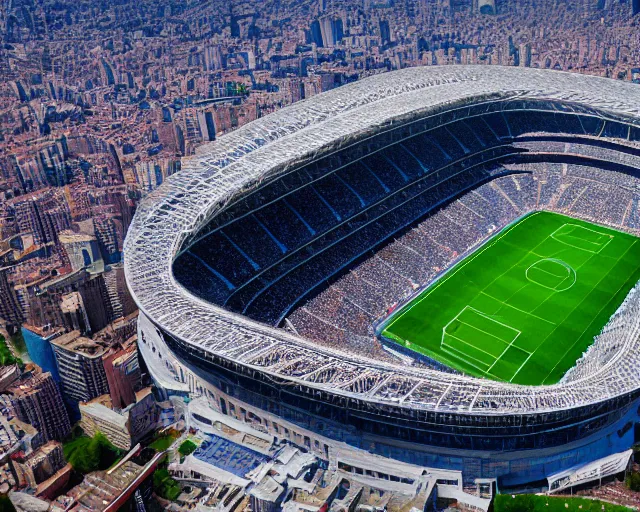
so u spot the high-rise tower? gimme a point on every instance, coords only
(37, 401)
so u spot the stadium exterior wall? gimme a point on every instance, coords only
(330, 439)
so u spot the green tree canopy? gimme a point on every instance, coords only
(87, 454)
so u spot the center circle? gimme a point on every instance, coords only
(552, 273)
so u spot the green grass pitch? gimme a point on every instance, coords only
(526, 305)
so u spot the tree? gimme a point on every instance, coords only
(5, 504)
(633, 482)
(86, 454)
(187, 448)
(6, 357)
(165, 486)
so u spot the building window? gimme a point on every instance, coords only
(202, 419)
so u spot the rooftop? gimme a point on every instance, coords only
(69, 237)
(73, 342)
(301, 133)
(102, 409)
(29, 384)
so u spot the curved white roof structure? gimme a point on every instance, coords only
(301, 133)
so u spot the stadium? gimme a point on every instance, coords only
(435, 267)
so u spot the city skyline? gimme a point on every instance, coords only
(211, 210)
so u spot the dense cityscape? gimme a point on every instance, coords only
(101, 102)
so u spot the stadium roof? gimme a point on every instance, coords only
(315, 127)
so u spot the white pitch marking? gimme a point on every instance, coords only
(568, 235)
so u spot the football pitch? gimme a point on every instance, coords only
(527, 304)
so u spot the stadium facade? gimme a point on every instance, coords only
(224, 252)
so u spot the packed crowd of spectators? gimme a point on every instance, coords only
(240, 263)
(395, 272)
(613, 492)
(351, 305)
(311, 226)
(621, 331)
